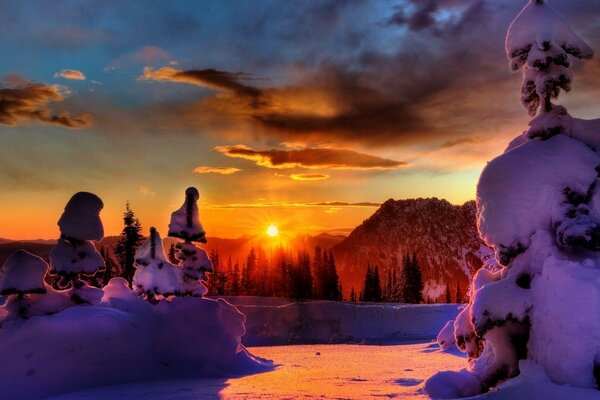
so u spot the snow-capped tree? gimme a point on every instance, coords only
(541, 43)
(75, 254)
(21, 275)
(185, 224)
(154, 275)
(538, 206)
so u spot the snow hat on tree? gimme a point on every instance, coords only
(23, 273)
(81, 218)
(154, 275)
(74, 254)
(185, 222)
(541, 43)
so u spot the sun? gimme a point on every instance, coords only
(272, 231)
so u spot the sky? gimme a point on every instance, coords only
(304, 114)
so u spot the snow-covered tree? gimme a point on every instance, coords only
(21, 275)
(538, 206)
(154, 275)
(541, 44)
(75, 254)
(185, 224)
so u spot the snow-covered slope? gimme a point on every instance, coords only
(443, 236)
(314, 322)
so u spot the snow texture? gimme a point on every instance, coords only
(154, 274)
(22, 273)
(524, 190)
(185, 222)
(74, 257)
(538, 206)
(122, 339)
(81, 220)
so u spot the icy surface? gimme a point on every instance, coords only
(124, 339)
(81, 220)
(520, 191)
(22, 272)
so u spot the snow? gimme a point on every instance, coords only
(185, 222)
(522, 190)
(537, 24)
(567, 288)
(80, 219)
(154, 274)
(123, 339)
(194, 260)
(75, 257)
(342, 322)
(307, 372)
(22, 273)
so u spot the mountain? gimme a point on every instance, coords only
(443, 236)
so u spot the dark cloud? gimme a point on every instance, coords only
(313, 158)
(211, 78)
(442, 79)
(32, 103)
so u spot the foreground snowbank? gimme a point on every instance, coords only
(123, 339)
(273, 322)
(532, 383)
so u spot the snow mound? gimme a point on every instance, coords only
(523, 190)
(23, 273)
(123, 339)
(73, 257)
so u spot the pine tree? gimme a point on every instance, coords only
(448, 298)
(458, 295)
(411, 281)
(235, 280)
(129, 241)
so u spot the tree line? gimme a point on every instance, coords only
(280, 273)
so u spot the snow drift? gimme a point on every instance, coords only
(122, 339)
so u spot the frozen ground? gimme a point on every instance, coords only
(308, 372)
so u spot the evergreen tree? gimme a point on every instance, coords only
(235, 280)
(411, 281)
(458, 294)
(129, 241)
(448, 298)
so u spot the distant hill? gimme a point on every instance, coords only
(443, 236)
(236, 248)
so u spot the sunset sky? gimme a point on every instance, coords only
(304, 114)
